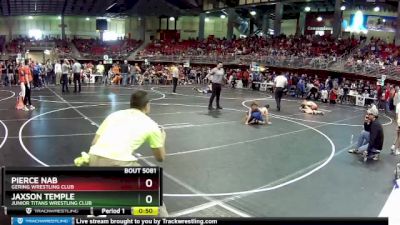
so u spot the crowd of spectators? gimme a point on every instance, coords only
(303, 46)
(118, 49)
(23, 43)
(377, 55)
(333, 90)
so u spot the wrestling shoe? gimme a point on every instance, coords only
(393, 149)
(31, 107)
(396, 152)
(25, 109)
(365, 156)
(219, 107)
(354, 151)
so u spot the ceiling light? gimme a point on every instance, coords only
(377, 9)
(343, 8)
(253, 13)
(319, 19)
(207, 19)
(108, 19)
(59, 17)
(223, 16)
(172, 18)
(112, 5)
(207, 12)
(307, 9)
(384, 20)
(30, 17)
(87, 18)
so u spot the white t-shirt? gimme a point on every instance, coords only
(57, 68)
(324, 94)
(396, 98)
(398, 114)
(280, 81)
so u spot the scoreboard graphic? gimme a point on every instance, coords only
(82, 191)
(109, 195)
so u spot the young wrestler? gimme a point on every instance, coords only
(256, 115)
(310, 107)
(204, 91)
(265, 113)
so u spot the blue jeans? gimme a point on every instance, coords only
(387, 105)
(133, 79)
(363, 139)
(124, 79)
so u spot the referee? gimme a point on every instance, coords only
(175, 77)
(280, 84)
(217, 79)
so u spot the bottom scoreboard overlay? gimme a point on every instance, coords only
(200, 221)
(133, 211)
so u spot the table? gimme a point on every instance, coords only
(264, 86)
(92, 78)
(361, 100)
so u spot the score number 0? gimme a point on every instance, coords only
(149, 184)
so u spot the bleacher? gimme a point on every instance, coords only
(118, 49)
(22, 44)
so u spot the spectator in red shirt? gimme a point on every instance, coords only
(240, 75)
(245, 78)
(333, 95)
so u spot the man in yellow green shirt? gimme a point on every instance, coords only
(124, 131)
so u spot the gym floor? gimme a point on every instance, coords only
(216, 165)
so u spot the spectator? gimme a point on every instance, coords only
(77, 70)
(49, 73)
(333, 95)
(58, 72)
(10, 73)
(65, 68)
(100, 70)
(125, 68)
(25, 77)
(376, 139)
(36, 70)
(363, 138)
(135, 70)
(324, 95)
(116, 69)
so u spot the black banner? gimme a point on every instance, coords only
(233, 221)
(68, 220)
